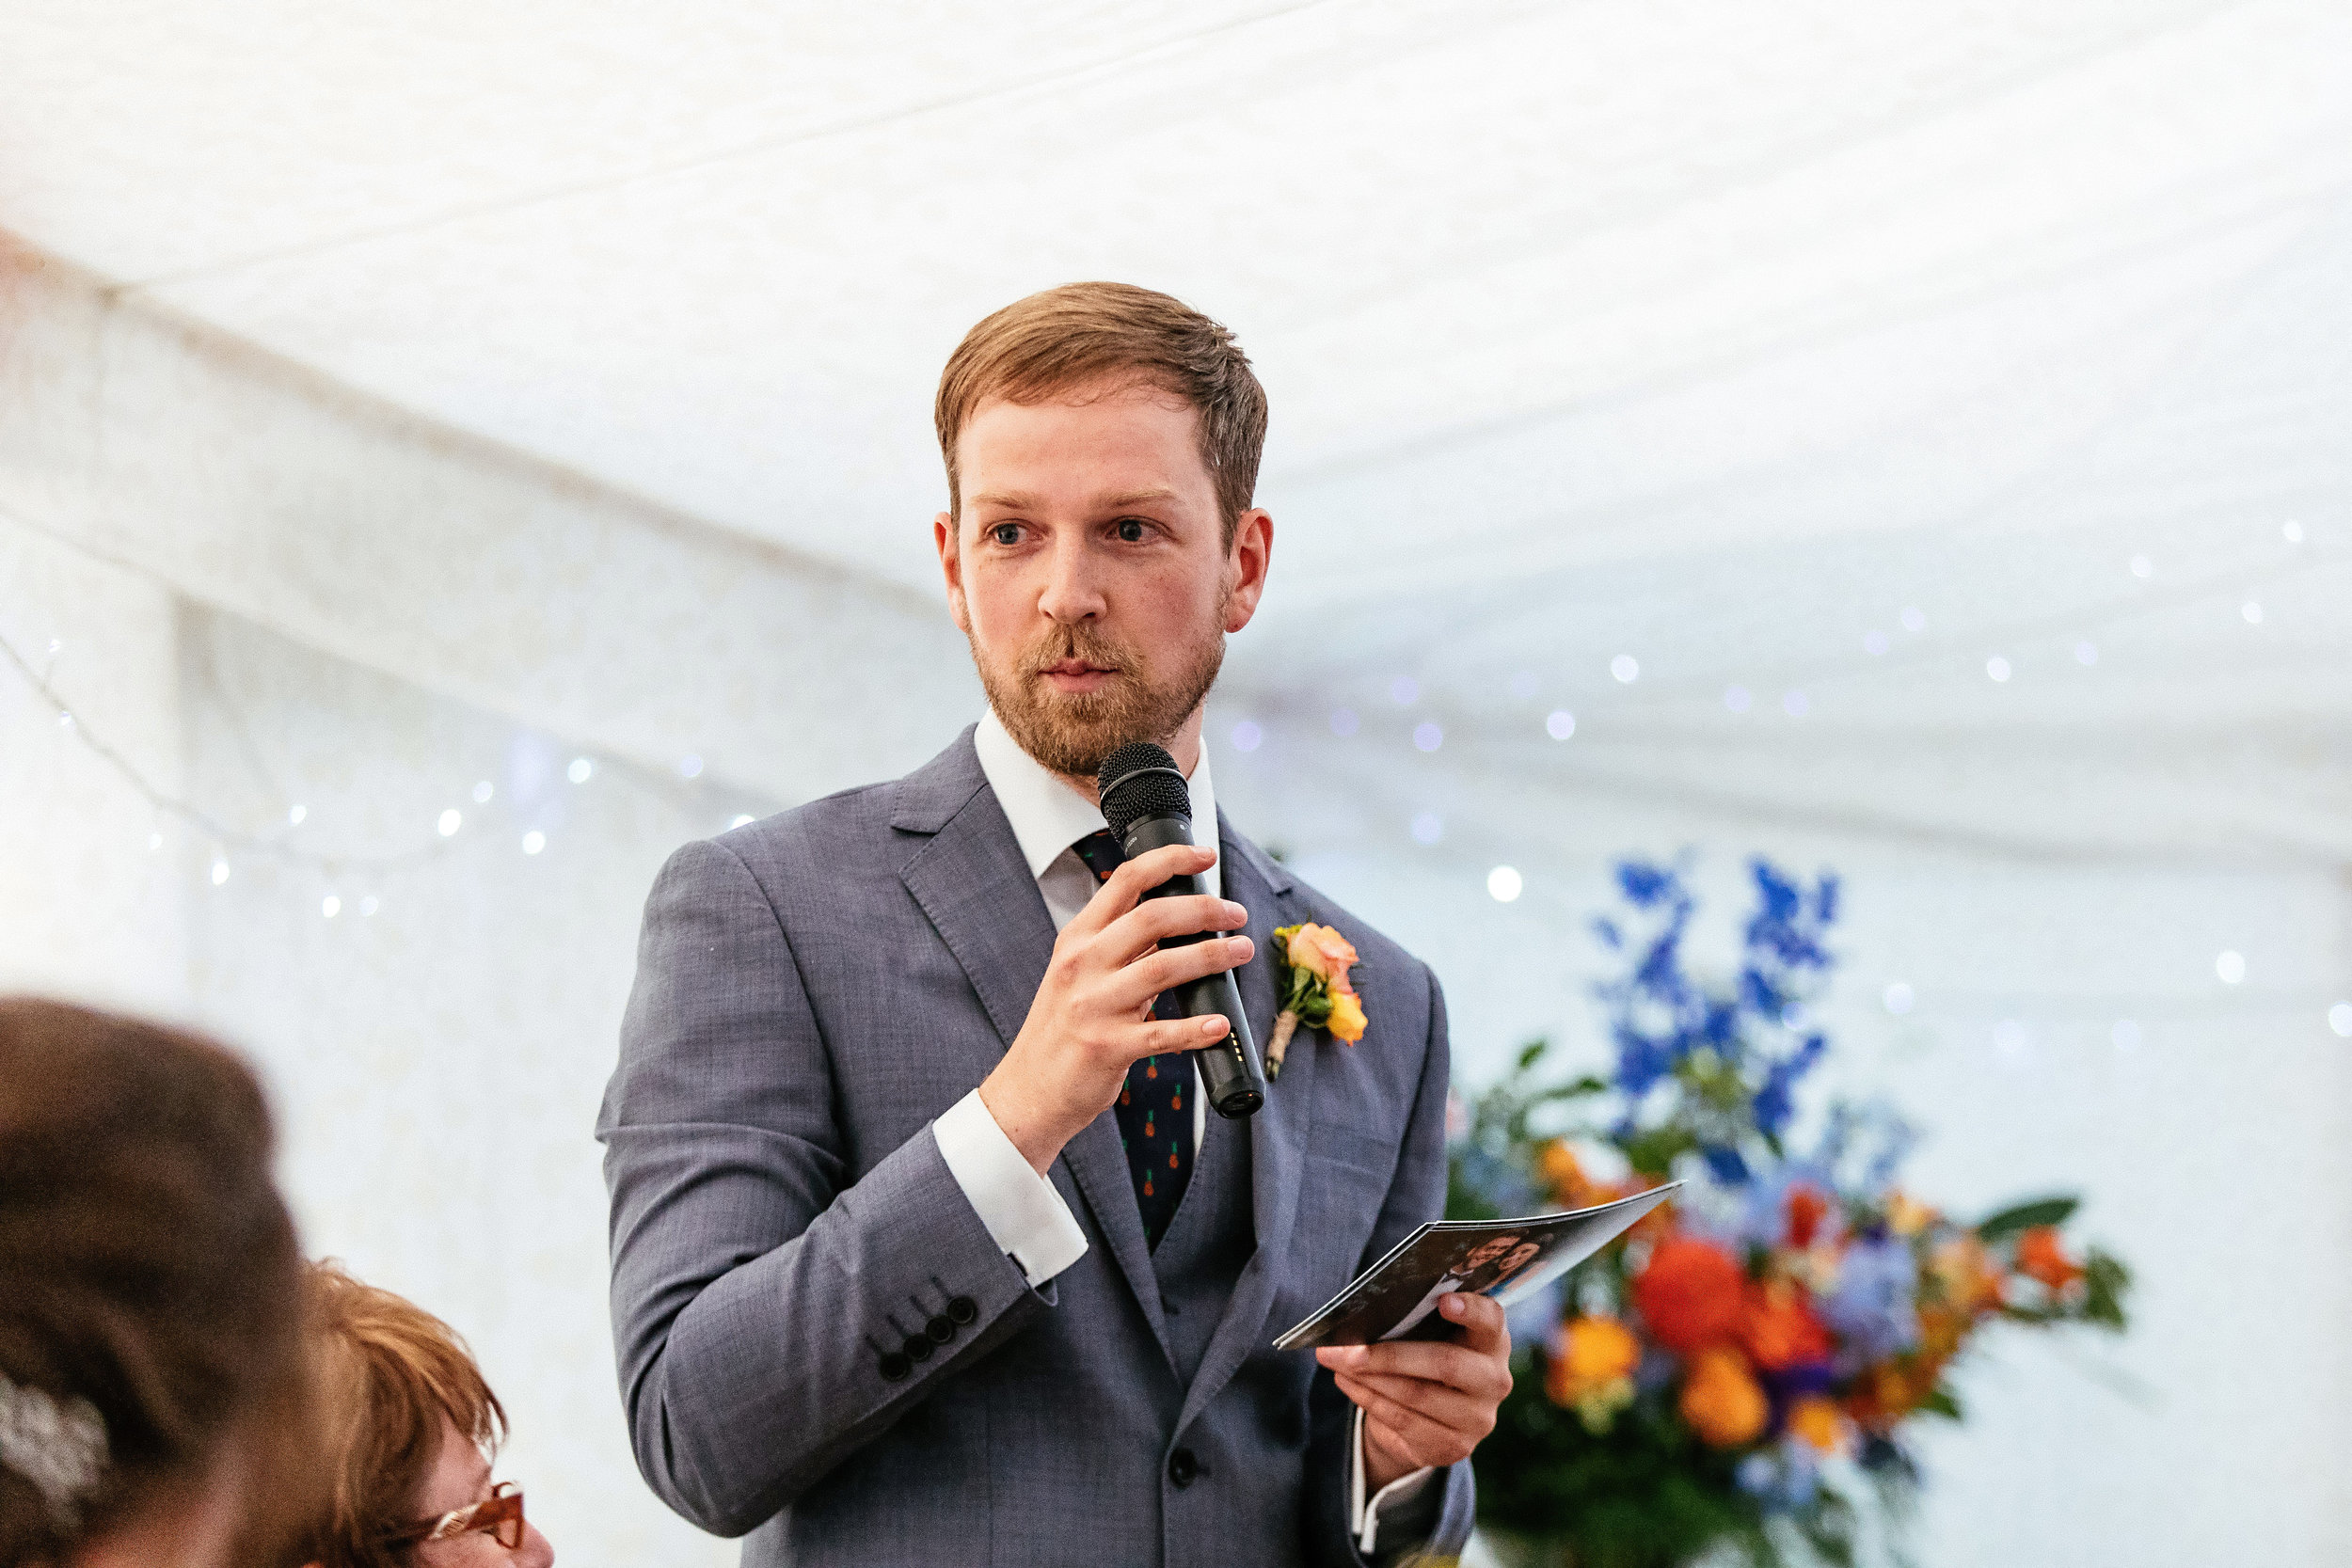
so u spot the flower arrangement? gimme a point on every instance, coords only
(1727, 1375)
(1311, 965)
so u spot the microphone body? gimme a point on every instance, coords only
(1230, 1073)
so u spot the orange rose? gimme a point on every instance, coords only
(1814, 1421)
(1690, 1294)
(1347, 1018)
(1324, 954)
(1778, 1327)
(1721, 1400)
(2039, 1257)
(1807, 1206)
(1564, 1173)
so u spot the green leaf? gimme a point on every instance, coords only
(1532, 1052)
(1942, 1402)
(1653, 1152)
(2105, 1281)
(2022, 1217)
(1577, 1091)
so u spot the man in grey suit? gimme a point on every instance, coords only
(923, 1248)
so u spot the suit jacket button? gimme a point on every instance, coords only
(917, 1348)
(963, 1309)
(940, 1329)
(1183, 1467)
(893, 1366)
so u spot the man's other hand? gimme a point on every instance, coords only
(1427, 1401)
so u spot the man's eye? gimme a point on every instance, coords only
(1130, 531)
(1006, 533)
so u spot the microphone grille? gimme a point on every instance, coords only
(1140, 780)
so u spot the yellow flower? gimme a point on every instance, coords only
(1591, 1369)
(1907, 1215)
(1591, 1352)
(1967, 1276)
(1324, 954)
(1721, 1400)
(1815, 1421)
(1347, 1018)
(1557, 1163)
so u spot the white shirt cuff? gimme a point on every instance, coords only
(1024, 1214)
(1365, 1513)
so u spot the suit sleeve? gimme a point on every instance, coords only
(1416, 1196)
(764, 1306)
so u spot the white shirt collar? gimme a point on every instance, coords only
(1047, 815)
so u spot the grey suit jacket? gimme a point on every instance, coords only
(813, 989)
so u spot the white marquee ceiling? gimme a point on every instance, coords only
(1715, 332)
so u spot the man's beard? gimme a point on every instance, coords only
(1073, 733)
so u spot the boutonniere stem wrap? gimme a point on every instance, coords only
(1311, 964)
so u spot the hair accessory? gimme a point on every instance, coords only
(62, 1449)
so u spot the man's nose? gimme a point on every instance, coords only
(1072, 592)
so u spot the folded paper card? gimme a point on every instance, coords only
(1508, 1259)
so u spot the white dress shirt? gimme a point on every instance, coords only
(1022, 1211)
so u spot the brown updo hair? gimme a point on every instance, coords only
(149, 1271)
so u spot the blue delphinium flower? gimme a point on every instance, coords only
(1871, 1309)
(1784, 1478)
(1775, 1099)
(1646, 885)
(1661, 1018)
(1726, 1165)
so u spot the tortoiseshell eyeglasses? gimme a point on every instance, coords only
(499, 1515)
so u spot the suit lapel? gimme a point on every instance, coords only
(970, 879)
(1278, 1133)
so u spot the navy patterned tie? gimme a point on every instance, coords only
(1154, 1123)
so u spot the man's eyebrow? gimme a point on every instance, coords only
(1020, 502)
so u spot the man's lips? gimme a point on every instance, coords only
(1076, 674)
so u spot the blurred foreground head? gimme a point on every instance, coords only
(410, 1431)
(152, 1404)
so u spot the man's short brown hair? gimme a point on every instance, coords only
(390, 1372)
(1084, 332)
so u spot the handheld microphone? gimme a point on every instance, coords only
(1147, 806)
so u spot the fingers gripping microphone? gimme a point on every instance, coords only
(1148, 807)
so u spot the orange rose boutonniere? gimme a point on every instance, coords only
(1311, 976)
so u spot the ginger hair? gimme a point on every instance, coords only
(1083, 334)
(391, 1372)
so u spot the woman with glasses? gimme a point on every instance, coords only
(412, 1428)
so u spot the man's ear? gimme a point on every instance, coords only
(951, 568)
(1245, 566)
